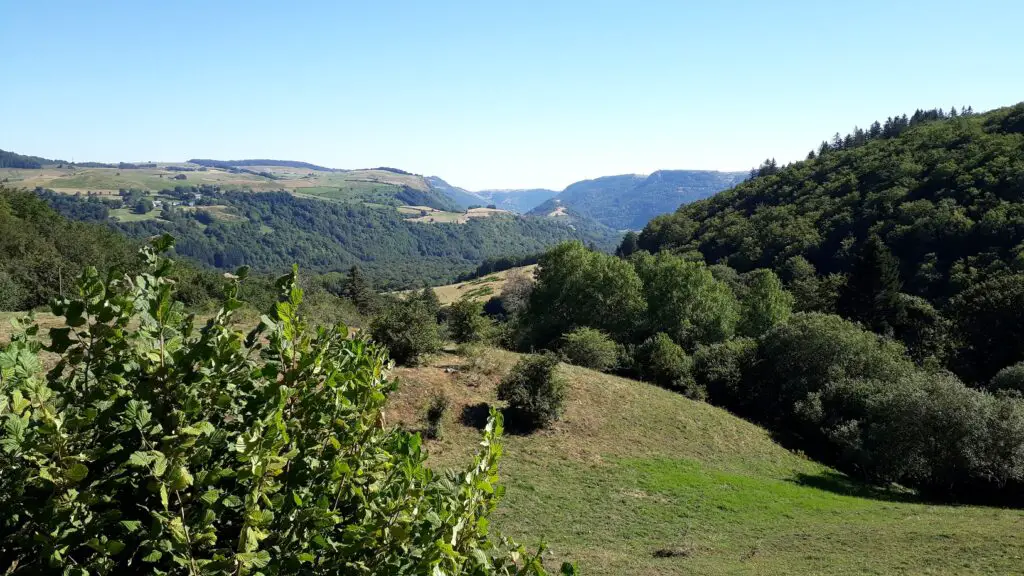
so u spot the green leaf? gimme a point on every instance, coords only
(131, 526)
(153, 556)
(210, 497)
(256, 560)
(140, 458)
(77, 472)
(180, 478)
(115, 547)
(159, 463)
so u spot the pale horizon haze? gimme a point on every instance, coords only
(489, 95)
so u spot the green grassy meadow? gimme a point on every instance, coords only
(639, 480)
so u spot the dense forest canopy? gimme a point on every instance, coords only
(943, 193)
(271, 231)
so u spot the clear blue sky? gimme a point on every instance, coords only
(489, 94)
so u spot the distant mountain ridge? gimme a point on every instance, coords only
(626, 201)
(267, 162)
(521, 201)
(630, 201)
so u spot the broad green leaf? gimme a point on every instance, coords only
(77, 472)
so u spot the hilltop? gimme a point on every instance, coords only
(378, 185)
(633, 472)
(629, 201)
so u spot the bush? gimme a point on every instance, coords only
(408, 330)
(166, 468)
(533, 390)
(662, 361)
(143, 206)
(466, 322)
(589, 348)
(928, 431)
(800, 358)
(721, 369)
(435, 415)
(1009, 378)
(479, 359)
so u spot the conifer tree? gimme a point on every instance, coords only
(873, 287)
(359, 290)
(430, 299)
(629, 245)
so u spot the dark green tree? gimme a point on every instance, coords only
(407, 329)
(578, 287)
(629, 245)
(429, 298)
(143, 206)
(872, 287)
(466, 322)
(359, 290)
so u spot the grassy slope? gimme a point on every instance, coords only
(335, 185)
(632, 469)
(435, 216)
(478, 288)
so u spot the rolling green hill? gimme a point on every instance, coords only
(639, 480)
(943, 193)
(629, 201)
(378, 186)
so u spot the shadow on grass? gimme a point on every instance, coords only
(475, 416)
(844, 485)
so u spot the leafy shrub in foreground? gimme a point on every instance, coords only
(589, 348)
(535, 393)
(156, 446)
(408, 329)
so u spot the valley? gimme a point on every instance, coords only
(512, 289)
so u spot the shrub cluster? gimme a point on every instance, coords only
(535, 393)
(159, 446)
(408, 329)
(854, 399)
(589, 348)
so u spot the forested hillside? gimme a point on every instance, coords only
(13, 160)
(629, 201)
(929, 207)
(271, 231)
(42, 252)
